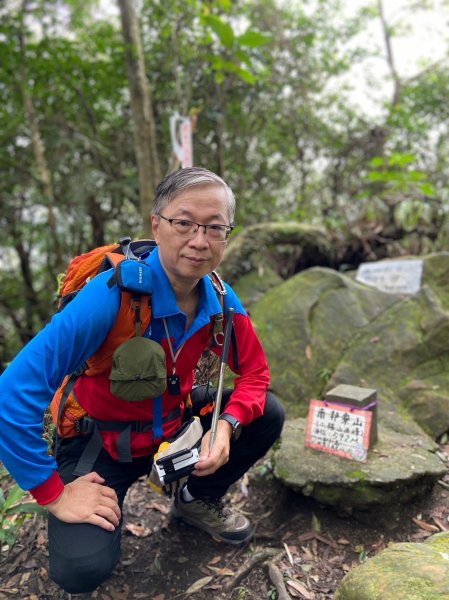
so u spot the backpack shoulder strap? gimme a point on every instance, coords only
(217, 328)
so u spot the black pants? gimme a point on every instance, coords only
(82, 556)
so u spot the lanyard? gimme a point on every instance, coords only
(174, 357)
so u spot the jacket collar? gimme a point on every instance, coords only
(164, 302)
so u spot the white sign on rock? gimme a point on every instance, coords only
(393, 276)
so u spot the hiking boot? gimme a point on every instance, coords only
(211, 515)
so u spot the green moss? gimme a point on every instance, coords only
(282, 474)
(356, 495)
(440, 542)
(357, 474)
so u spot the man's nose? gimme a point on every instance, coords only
(201, 238)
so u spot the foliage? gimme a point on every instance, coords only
(267, 85)
(13, 511)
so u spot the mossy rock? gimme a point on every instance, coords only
(404, 571)
(321, 328)
(399, 467)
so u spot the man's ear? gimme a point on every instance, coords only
(155, 228)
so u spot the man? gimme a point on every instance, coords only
(192, 219)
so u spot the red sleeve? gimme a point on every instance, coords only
(48, 491)
(247, 402)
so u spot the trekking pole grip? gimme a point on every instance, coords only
(223, 362)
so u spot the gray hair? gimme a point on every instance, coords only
(177, 182)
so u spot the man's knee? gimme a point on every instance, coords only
(83, 574)
(81, 555)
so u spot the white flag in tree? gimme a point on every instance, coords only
(181, 139)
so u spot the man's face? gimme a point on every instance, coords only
(187, 260)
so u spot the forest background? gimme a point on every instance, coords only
(85, 103)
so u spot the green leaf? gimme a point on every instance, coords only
(27, 508)
(377, 161)
(243, 57)
(225, 5)
(223, 30)
(375, 176)
(253, 39)
(427, 189)
(401, 160)
(316, 525)
(416, 176)
(246, 76)
(219, 77)
(14, 496)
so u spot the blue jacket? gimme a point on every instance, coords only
(73, 335)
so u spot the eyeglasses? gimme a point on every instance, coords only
(214, 232)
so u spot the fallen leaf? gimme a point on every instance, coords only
(440, 524)
(138, 530)
(301, 588)
(425, 526)
(343, 541)
(289, 556)
(306, 568)
(223, 572)
(158, 597)
(244, 485)
(198, 585)
(215, 560)
(159, 507)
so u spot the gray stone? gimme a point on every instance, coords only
(399, 468)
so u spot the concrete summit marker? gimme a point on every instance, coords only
(345, 423)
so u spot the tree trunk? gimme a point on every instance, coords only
(142, 113)
(97, 219)
(397, 89)
(43, 172)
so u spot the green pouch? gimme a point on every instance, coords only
(139, 370)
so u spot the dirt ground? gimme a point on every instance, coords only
(300, 548)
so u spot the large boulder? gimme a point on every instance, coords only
(402, 572)
(321, 328)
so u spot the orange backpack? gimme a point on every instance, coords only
(133, 313)
(65, 410)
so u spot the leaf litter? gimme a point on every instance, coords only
(311, 546)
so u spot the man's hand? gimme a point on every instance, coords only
(87, 500)
(211, 460)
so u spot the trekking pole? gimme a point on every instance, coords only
(223, 363)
